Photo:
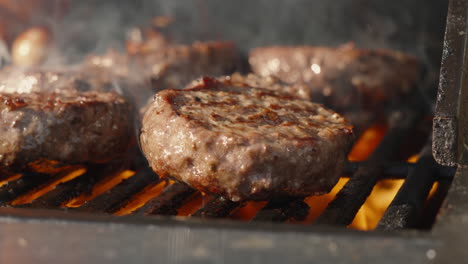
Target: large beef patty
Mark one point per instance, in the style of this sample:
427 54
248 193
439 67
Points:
243 142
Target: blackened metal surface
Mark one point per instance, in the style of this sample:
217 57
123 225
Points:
452 222
406 208
445 138
397 170
434 203
217 208
282 209
110 201
343 208
18 187
391 170
65 192
28 237
452 62
445 130
168 201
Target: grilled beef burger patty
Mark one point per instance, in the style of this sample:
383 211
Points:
244 143
69 127
172 65
76 79
344 78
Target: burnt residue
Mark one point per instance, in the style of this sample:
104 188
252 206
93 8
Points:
444 146
406 209
168 201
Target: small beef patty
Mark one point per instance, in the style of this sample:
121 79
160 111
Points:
27 80
244 143
171 65
80 79
68 127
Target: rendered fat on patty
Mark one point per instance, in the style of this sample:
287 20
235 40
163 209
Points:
244 143
69 127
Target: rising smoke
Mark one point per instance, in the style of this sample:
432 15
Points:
416 26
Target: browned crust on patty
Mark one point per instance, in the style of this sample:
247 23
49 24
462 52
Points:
67 127
243 142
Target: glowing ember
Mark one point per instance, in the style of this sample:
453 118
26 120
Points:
31 196
9 179
51 166
195 202
101 187
142 198
248 211
413 159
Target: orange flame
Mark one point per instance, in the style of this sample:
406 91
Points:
31 196
374 207
142 198
367 143
318 204
413 159
249 210
195 202
9 179
381 196
101 187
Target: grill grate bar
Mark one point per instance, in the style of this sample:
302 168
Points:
282 209
66 191
218 207
391 170
396 170
4 176
342 210
111 200
168 201
24 184
406 208
434 203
